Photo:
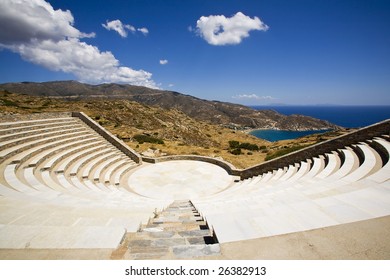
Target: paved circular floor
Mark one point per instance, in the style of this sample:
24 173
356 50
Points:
181 179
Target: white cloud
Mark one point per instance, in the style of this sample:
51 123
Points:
163 61
26 19
130 27
220 30
253 96
83 60
121 28
46 37
143 30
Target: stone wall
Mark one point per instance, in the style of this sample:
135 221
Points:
109 137
230 169
364 134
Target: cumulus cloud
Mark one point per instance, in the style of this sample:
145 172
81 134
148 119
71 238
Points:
24 20
143 30
119 27
47 37
163 61
122 29
219 30
253 96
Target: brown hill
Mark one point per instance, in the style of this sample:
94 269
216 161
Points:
215 112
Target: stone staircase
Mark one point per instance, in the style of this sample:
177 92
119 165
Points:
178 232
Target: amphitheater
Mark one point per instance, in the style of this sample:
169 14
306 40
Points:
70 189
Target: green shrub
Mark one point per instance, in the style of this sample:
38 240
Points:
141 138
236 151
285 151
249 146
246 146
7 102
234 144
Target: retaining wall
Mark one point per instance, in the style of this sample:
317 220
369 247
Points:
230 169
108 136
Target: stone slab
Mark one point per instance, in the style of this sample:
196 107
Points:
51 237
193 251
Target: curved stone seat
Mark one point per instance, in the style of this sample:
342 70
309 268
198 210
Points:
383 174
317 166
291 171
372 163
15 133
13 140
85 157
285 211
109 170
351 163
303 169
109 173
71 164
18 148
97 172
96 162
51 158
9 126
17 184
120 173
333 165
34 155
266 177
33 181
278 173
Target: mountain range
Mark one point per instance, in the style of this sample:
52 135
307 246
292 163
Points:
215 112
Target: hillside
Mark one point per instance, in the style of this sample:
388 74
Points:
214 112
174 132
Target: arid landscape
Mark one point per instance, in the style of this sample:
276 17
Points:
168 131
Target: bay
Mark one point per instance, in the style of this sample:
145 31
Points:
276 135
345 116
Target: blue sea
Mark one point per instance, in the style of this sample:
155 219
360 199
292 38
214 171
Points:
345 116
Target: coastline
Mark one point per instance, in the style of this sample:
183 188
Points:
274 135
249 131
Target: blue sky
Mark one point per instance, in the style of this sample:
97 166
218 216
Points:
241 51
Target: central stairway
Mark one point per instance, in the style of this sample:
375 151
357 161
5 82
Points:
176 232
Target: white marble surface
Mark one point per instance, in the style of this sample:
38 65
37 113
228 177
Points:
181 179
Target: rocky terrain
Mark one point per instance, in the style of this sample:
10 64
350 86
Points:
214 112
